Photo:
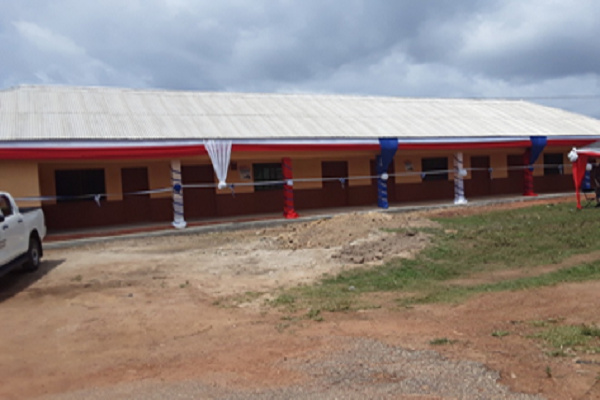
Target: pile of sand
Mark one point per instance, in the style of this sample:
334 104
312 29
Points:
359 237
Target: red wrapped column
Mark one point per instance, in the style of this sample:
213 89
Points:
528 175
288 191
579 167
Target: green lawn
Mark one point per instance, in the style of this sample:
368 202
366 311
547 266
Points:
461 248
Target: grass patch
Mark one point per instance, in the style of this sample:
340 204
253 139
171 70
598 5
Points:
325 298
236 300
545 322
441 341
451 294
314 314
591 331
515 238
410 231
285 300
565 340
184 285
463 246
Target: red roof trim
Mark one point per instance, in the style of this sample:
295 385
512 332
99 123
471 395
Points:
81 153
305 147
463 145
139 152
111 153
572 142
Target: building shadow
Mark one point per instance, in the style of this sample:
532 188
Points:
17 281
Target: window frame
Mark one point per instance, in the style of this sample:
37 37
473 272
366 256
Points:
551 167
428 164
270 172
79 184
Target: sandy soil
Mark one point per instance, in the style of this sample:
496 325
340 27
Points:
144 312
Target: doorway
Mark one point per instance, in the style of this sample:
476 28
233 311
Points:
136 207
335 192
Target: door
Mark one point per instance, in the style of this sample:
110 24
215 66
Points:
335 191
480 184
136 207
198 202
515 173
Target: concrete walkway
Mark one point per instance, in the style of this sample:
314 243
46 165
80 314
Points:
95 235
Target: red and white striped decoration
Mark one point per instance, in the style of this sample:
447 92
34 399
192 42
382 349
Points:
288 191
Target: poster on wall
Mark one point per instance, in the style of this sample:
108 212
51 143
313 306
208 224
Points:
245 173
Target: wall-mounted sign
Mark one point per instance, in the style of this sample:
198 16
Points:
245 172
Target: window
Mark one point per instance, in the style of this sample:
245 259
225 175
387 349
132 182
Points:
5 206
267 172
71 184
432 165
553 164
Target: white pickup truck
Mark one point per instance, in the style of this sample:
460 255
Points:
21 235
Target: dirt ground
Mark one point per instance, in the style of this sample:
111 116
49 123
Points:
128 318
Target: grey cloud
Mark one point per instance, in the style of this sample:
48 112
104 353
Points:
535 40
439 48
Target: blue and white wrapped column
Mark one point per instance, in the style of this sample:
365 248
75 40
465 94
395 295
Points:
459 174
176 184
388 146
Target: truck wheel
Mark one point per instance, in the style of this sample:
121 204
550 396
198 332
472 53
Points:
33 255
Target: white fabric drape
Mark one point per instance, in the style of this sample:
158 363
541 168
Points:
219 152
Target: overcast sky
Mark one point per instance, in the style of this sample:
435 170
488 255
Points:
405 48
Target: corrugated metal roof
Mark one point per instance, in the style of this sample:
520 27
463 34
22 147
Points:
51 113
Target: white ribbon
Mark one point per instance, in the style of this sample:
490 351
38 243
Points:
573 156
219 152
